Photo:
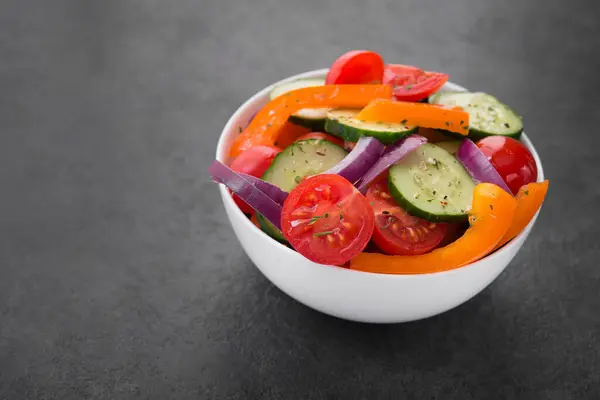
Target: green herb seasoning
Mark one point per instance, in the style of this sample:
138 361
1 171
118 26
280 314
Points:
324 233
314 219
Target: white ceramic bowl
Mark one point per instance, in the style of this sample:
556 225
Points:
355 295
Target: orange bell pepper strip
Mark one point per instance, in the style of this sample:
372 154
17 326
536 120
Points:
452 119
265 126
288 134
490 217
529 201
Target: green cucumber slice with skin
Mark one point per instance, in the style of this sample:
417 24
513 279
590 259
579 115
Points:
432 98
342 123
298 160
432 184
311 118
270 229
293 85
488 116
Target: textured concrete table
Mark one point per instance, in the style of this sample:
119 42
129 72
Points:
119 274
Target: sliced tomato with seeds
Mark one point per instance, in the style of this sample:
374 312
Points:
412 83
327 220
396 232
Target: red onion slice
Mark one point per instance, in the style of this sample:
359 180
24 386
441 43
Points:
366 153
269 189
477 164
248 192
391 155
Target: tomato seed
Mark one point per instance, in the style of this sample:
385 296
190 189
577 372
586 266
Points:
413 235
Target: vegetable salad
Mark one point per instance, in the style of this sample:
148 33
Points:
378 155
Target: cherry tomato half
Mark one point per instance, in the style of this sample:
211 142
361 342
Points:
322 136
255 162
412 83
512 160
356 67
396 232
327 220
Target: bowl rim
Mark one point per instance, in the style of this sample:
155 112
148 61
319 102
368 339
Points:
321 73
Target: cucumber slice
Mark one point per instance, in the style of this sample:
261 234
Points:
432 98
342 123
298 160
430 183
488 116
451 146
297 84
311 118
270 229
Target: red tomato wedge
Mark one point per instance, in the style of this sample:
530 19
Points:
356 67
396 232
322 136
327 220
412 83
255 162
513 161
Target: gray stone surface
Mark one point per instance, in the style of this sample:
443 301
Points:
119 274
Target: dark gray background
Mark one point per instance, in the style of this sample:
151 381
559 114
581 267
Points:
120 276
